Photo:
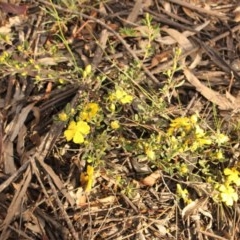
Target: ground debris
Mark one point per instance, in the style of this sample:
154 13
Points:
124 71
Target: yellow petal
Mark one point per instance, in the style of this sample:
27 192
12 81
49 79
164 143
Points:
72 126
71 130
83 127
194 118
89 111
227 171
93 108
69 134
78 138
84 116
115 124
119 94
126 99
150 154
87 178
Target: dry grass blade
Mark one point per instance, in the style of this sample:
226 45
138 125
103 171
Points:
132 17
64 232
221 63
57 181
13 176
14 208
100 49
61 207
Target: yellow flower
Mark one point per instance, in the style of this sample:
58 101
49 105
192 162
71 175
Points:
199 132
220 138
183 168
76 131
89 112
63 116
150 153
219 155
87 71
232 176
3 58
182 123
183 193
121 96
228 194
194 118
199 143
115 124
204 141
86 179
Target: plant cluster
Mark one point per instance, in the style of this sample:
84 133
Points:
169 150
182 148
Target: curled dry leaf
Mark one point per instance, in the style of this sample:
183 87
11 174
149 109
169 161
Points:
227 102
167 6
107 200
161 229
20 140
237 14
7 157
160 58
132 17
151 179
6 29
236 64
178 37
208 215
14 128
13 9
193 208
80 197
49 61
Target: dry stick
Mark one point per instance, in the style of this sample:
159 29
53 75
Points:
20 233
211 235
190 105
175 16
163 19
47 144
60 205
198 9
36 172
16 201
100 48
147 72
13 177
184 55
1 137
217 59
53 222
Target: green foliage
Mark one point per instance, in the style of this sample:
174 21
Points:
128 32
